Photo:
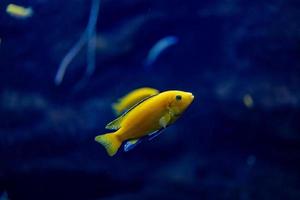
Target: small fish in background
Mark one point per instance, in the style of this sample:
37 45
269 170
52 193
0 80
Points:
145 120
132 98
158 48
248 101
19 11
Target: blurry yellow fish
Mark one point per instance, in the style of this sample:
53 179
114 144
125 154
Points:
19 11
145 120
132 98
248 101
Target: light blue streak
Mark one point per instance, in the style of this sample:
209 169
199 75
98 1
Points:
158 48
91 34
68 59
88 37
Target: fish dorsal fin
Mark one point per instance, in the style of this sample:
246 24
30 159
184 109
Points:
116 124
130 144
138 103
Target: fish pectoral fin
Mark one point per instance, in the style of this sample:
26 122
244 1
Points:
165 120
153 135
115 125
130 144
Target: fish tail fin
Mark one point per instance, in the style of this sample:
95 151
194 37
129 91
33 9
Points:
110 141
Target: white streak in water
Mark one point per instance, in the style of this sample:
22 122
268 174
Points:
91 34
158 48
88 37
68 59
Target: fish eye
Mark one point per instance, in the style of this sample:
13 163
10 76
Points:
178 97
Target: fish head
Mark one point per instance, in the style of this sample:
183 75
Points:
179 101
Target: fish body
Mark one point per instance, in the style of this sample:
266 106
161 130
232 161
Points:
150 115
19 11
132 98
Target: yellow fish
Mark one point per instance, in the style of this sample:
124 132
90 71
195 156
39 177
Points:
132 98
248 100
19 11
145 120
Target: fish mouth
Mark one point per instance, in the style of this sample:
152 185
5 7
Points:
192 96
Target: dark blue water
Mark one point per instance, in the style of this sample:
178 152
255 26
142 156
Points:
227 51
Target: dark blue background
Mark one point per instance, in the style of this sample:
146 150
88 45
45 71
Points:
219 149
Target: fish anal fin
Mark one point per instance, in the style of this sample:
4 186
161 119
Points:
130 144
153 135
